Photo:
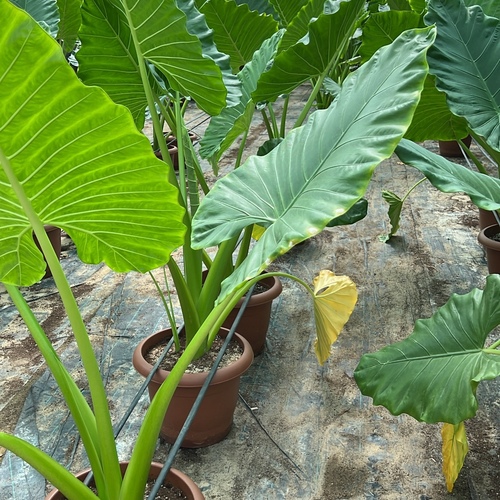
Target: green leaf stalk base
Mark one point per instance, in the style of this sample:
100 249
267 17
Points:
174 477
214 418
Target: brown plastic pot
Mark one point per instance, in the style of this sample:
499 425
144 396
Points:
451 149
173 150
214 418
486 218
492 247
54 234
174 477
254 322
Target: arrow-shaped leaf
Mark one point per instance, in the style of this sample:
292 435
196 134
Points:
321 169
108 57
326 43
450 177
81 162
465 60
434 373
233 121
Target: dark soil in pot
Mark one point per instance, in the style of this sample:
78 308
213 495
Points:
177 486
489 237
214 418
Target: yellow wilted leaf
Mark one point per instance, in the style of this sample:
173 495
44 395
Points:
257 231
335 298
455 448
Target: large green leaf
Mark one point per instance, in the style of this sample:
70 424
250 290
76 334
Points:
287 9
262 6
197 26
466 62
382 28
433 119
238 31
490 7
233 121
80 160
71 20
434 373
484 191
321 169
299 26
327 41
44 12
108 57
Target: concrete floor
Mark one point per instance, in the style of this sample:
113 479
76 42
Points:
311 434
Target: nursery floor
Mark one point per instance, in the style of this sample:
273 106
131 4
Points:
310 434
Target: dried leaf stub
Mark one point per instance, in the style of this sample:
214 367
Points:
334 301
455 448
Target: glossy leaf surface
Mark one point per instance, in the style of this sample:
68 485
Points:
238 31
334 301
316 174
327 40
450 177
233 121
466 62
109 59
69 25
439 366
81 162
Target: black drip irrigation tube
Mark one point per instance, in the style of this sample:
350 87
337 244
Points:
196 405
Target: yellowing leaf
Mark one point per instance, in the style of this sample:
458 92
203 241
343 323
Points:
455 448
258 231
335 298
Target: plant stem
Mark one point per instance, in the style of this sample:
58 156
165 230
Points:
283 116
267 123
241 149
109 457
274 123
168 308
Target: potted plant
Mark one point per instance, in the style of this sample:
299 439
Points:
290 216
461 90
433 375
368 101
81 148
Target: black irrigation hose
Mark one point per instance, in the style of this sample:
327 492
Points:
175 447
194 409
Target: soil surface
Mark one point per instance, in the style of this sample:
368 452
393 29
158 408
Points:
301 431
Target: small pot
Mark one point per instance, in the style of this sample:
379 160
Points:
54 234
254 322
214 418
174 477
452 149
492 247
